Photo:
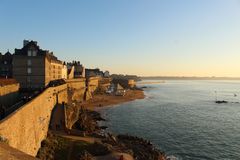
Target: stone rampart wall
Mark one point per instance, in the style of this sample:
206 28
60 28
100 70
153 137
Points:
76 88
28 126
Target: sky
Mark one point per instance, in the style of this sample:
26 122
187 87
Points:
143 37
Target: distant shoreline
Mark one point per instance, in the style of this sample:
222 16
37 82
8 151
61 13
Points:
189 78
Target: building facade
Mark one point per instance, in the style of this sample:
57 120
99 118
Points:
34 68
64 71
93 73
6 65
79 69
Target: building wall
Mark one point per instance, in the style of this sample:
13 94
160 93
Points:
47 68
5 70
9 94
28 126
56 70
64 72
79 71
124 82
36 65
71 72
6 65
131 83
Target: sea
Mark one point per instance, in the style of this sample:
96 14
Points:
181 118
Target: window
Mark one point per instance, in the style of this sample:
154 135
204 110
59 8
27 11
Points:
29 52
34 53
29 70
29 62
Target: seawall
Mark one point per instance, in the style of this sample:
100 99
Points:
26 127
76 89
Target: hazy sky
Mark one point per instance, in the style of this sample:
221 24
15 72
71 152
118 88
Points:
144 37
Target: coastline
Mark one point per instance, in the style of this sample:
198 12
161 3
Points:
95 142
142 149
106 100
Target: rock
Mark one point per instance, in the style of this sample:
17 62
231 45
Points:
219 102
142 149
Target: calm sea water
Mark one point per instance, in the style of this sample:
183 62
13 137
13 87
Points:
181 119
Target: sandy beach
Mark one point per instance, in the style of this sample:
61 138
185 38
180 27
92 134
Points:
103 100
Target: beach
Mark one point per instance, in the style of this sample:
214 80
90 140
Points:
103 100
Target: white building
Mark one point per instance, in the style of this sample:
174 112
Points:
64 71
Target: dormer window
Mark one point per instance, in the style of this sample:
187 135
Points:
32 52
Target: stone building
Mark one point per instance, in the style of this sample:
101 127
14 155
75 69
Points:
79 69
70 72
106 74
34 68
6 65
93 73
64 71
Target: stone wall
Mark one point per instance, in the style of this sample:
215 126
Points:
76 88
92 85
28 126
9 94
71 113
104 84
9 153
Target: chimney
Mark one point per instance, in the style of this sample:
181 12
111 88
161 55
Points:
25 42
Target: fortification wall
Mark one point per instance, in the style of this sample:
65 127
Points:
92 84
28 126
77 88
104 84
9 153
9 94
71 113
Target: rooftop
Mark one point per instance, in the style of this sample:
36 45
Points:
40 52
